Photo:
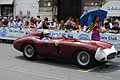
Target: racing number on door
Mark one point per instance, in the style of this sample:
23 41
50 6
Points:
56 43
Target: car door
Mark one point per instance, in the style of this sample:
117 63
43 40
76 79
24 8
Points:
55 48
62 49
66 49
47 48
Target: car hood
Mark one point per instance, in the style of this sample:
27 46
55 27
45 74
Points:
99 44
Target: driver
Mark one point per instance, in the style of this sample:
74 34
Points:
46 34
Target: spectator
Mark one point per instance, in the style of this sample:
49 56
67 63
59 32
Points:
95 28
38 17
70 23
62 25
33 20
53 24
32 26
26 24
25 19
115 28
21 23
5 21
39 24
57 22
11 23
108 24
16 22
85 28
45 23
77 26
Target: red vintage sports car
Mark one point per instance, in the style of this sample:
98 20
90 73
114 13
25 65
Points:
85 53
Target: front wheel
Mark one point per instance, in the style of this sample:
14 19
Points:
29 52
84 59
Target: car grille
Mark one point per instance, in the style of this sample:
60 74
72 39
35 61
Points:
111 56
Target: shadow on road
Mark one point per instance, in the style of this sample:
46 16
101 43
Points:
53 62
106 68
111 66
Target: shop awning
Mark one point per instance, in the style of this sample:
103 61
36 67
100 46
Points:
6 2
113 8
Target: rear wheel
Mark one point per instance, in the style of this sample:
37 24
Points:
84 59
29 52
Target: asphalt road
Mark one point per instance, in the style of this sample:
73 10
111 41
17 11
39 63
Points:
13 66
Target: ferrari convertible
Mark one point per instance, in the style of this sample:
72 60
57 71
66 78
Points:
86 53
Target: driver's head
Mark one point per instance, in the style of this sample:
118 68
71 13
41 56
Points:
46 33
70 36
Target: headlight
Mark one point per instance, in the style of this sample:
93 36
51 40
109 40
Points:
99 54
100 50
113 47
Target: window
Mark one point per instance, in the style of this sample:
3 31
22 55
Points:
45 3
7 10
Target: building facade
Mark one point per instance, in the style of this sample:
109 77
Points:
113 9
61 9
90 4
27 8
43 8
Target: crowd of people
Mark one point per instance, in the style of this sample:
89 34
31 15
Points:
38 23
70 24
112 26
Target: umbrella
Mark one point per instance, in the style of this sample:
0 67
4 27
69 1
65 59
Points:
87 18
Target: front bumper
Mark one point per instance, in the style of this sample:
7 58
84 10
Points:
105 54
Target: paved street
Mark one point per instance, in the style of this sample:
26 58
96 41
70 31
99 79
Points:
13 66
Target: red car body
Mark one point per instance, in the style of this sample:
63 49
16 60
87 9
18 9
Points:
64 48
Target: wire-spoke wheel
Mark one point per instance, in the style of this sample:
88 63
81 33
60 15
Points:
29 52
84 59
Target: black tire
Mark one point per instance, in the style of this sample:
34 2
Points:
85 60
29 52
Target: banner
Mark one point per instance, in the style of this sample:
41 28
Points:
10 33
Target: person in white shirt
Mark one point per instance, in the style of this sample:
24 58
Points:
53 24
39 24
85 28
11 23
111 25
46 34
21 23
